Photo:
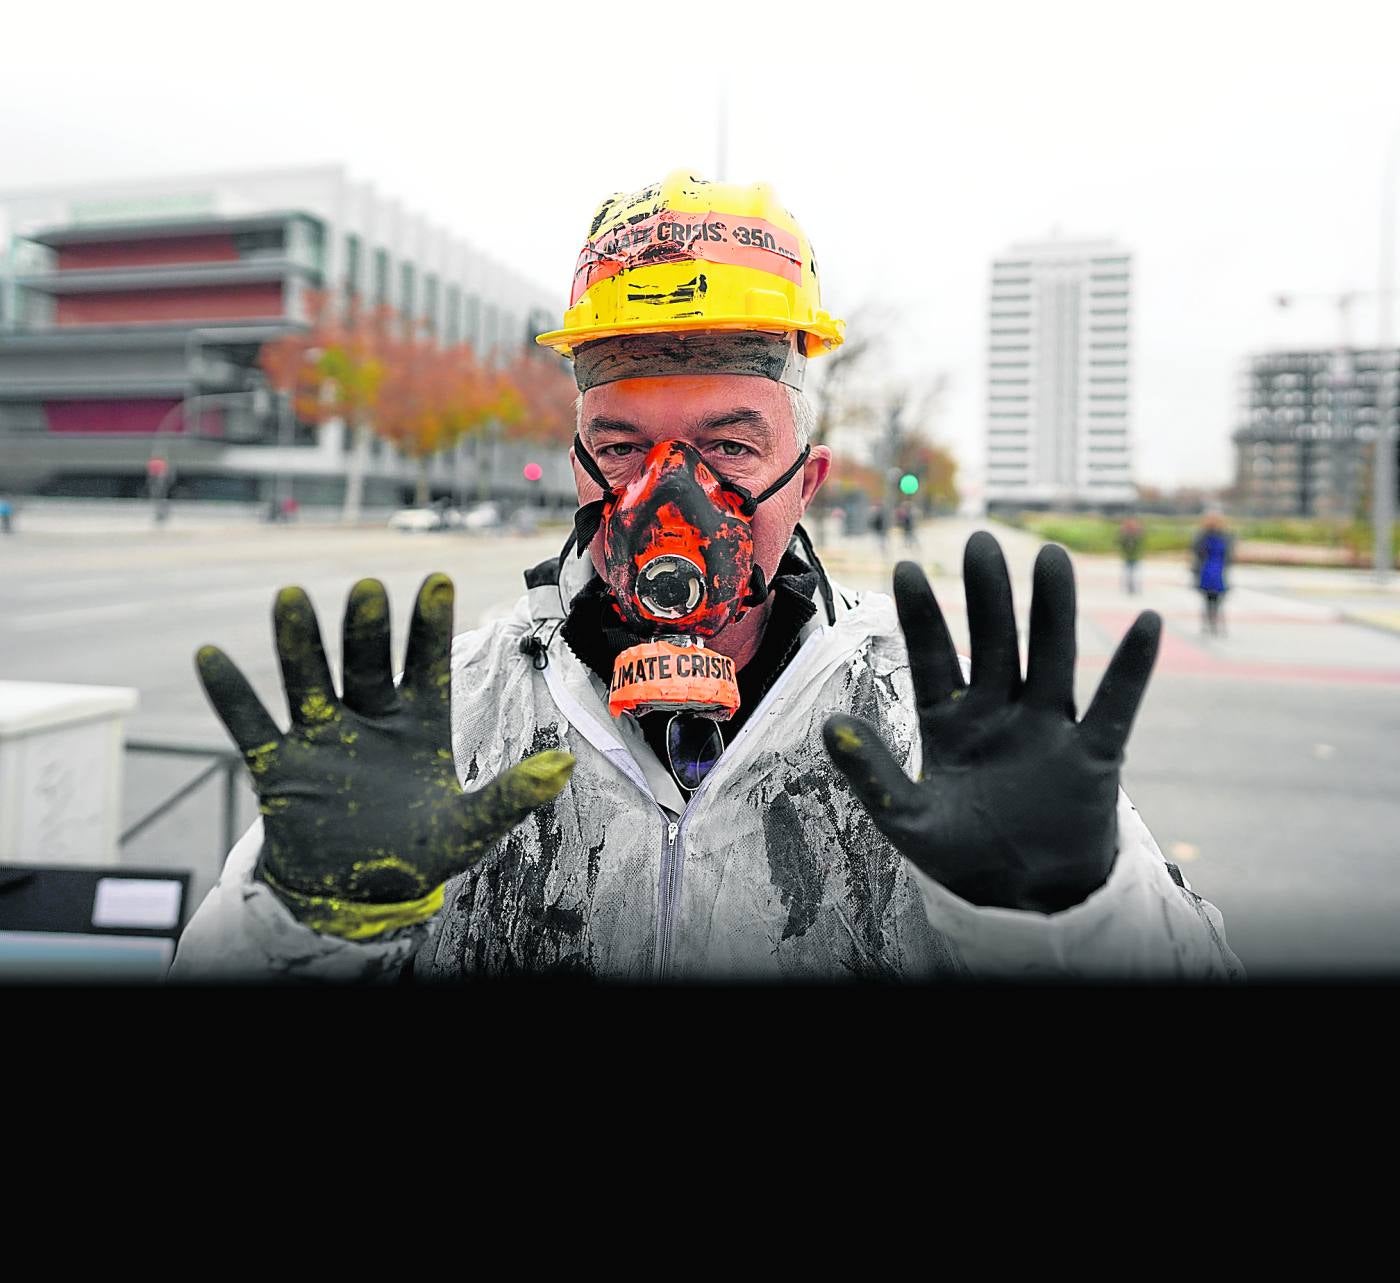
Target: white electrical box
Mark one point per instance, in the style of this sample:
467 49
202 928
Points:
61 772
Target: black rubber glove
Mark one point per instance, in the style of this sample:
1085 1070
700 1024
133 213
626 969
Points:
359 798
1016 806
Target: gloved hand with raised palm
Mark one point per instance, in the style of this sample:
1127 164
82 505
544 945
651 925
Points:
1016 804
363 816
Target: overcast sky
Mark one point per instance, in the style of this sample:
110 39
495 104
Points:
1236 147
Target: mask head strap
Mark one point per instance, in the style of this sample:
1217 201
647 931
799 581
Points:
590 465
750 503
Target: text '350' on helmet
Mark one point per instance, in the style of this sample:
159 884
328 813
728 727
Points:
685 254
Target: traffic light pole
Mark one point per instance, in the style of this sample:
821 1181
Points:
1383 465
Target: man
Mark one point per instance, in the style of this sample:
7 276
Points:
1210 556
1130 537
688 754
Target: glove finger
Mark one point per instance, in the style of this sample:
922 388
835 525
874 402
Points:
933 660
368 675
427 669
991 618
1110 717
1050 662
305 673
874 776
492 811
234 701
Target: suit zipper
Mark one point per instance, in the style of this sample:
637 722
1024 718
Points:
668 890
672 862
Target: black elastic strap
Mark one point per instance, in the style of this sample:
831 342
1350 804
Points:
786 477
823 583
590 465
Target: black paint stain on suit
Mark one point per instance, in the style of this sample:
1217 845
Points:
595 855
871 863
792 864
514 927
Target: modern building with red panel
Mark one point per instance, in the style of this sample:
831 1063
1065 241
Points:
131 316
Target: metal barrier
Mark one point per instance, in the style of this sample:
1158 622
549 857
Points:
227 760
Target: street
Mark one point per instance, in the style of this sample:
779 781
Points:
1265 762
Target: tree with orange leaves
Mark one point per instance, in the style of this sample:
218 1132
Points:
289 362
334 370
936 469
548 397
432 397
849 475
362 367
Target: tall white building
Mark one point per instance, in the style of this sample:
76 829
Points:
1058 370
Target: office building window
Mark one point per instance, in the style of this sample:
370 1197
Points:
381 277
430 303
352 267
454 315
489 335
406 284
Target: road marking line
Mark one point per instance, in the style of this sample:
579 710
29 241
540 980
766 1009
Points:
61 588
67 618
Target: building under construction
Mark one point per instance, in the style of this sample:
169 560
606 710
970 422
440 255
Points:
1310 423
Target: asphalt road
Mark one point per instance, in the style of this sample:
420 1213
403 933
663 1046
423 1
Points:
1267 762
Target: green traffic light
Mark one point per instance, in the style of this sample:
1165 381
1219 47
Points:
908 483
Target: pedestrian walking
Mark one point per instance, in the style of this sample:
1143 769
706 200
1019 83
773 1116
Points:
1211 553
904 515
877 526
1130 534
6 515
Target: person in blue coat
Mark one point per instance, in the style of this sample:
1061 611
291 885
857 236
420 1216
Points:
1211 551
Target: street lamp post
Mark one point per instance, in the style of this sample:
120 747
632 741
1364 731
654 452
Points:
1383 465
163 474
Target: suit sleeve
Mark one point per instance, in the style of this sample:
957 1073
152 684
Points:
243 933
1142 924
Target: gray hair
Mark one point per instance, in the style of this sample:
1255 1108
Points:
804 418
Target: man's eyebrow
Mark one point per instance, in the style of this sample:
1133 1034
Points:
732 418
605 423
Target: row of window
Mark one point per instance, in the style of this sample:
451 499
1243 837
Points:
465 319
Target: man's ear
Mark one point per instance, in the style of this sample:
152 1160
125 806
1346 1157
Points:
814 473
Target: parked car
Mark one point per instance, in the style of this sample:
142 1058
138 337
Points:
482 516
417 520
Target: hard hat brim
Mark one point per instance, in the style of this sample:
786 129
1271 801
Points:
827 337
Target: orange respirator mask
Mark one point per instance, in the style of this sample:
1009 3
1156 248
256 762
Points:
677 553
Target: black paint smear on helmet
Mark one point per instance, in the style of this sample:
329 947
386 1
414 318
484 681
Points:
687 292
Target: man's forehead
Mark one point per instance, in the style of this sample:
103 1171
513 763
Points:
688 401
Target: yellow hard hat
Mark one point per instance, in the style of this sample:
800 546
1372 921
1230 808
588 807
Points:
684 255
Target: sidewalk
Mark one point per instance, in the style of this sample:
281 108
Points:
1282 623
1353 595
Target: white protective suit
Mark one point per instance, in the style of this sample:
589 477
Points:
772 870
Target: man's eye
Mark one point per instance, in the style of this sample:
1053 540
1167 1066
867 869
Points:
619 451
731 449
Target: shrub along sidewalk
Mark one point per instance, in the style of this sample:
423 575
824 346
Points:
1267 541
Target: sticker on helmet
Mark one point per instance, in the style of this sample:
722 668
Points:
671 236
